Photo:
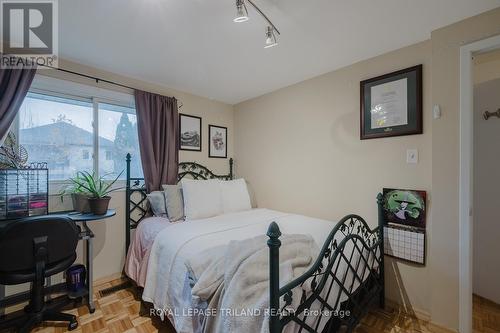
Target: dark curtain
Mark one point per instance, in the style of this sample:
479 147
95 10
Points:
14 85
158 126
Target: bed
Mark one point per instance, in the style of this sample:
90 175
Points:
339 283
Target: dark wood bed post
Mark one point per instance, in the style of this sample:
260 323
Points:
127 205
274 244
381 223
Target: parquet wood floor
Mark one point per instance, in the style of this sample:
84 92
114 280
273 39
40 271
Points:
122 312
486 315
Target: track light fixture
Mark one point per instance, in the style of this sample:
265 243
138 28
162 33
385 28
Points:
270 38
241 12
242 16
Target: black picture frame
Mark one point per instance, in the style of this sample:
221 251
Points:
413 101
183 136
214 154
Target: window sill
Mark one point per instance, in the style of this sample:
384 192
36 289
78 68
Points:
56 186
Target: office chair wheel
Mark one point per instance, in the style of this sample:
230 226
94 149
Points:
72 325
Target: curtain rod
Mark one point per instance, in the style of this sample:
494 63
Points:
97 79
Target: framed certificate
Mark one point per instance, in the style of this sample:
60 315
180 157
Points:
391 104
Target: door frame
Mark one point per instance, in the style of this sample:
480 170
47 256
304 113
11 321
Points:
465 183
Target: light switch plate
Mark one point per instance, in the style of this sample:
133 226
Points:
412 156
436 111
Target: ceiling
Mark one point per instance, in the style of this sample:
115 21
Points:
194 46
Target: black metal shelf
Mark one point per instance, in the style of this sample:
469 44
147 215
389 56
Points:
23 192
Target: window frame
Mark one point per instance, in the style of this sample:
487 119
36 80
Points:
51 86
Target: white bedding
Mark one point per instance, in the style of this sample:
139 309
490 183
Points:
165 285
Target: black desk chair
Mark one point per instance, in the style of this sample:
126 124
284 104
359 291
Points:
32 249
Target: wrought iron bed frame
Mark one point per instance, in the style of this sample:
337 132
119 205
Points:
366 243
136 185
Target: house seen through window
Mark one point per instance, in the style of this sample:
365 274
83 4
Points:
59 131
86 155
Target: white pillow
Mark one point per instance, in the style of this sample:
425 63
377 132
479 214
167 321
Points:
235 197
202 198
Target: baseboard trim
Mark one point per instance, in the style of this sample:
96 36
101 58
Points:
422 316
435 328
410 311
108 278
487 300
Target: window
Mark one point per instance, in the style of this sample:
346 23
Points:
117 137
60 131
54 130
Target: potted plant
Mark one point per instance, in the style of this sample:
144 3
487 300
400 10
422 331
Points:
98 190
80 202
79 195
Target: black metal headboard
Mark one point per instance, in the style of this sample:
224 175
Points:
136 204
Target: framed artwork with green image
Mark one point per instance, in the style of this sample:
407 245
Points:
405 207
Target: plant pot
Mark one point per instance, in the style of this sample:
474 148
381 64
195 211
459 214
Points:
80 202
99 206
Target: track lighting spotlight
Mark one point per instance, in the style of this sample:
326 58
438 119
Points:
270 38
241 12
242 16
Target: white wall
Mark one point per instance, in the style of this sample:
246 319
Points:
292 164
299 148
486 224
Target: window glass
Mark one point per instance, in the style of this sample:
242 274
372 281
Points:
117 137
86 155
57 131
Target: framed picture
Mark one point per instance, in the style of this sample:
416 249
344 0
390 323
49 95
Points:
217 141
405 207
190 132
391 104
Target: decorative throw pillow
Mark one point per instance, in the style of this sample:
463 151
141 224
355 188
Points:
174 202
157 201
235 197
202 198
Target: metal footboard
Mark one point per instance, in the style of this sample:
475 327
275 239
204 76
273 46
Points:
346 278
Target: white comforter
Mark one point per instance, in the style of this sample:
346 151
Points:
237 278
166 276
